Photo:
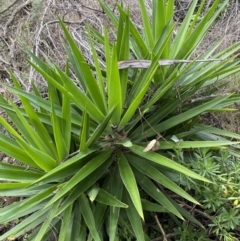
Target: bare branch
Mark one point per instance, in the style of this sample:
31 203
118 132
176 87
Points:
4 61
161 228
4 10
207 97
144 64
19 8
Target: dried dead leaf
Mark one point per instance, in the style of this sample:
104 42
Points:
150 145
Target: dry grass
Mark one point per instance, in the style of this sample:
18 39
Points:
33 24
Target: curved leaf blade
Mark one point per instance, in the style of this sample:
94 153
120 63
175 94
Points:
106 198
89 217
164 161
81 175
153 173
130 183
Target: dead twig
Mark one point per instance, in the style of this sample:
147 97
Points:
19 8
53 22
144 64
196 210
70 155
161 228
8 7
207 97
4 61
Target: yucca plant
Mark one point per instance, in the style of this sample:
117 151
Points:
94 157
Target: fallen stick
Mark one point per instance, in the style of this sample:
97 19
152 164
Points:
144 64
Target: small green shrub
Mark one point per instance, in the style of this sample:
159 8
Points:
93 159
220 210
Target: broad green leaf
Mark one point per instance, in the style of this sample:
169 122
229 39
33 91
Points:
81 175
193 144
99 212
137 100
93 192
164 161
36 142
72 91
217 131
23 207
163 39
21 189
152 120
153 173
181 33
116 188
84 134
108 58
24 176
173 121
18 167
134 218
9 128
35 121
125 143
148 34
153 207
58 137
119 37
98 73
47 163
66 221
155 193
57 82
88 217
201 30
77 222
40 196
138 44
158 17
13 116
100 129
66 122
129 182
185 213
39 102
195 17
44 161
87 77
115 89
12 149
66 168
74 65
123 40
158 94
47 222
84 185
27 224
109 12
14 211
36 229
38 94
109 200
80 98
